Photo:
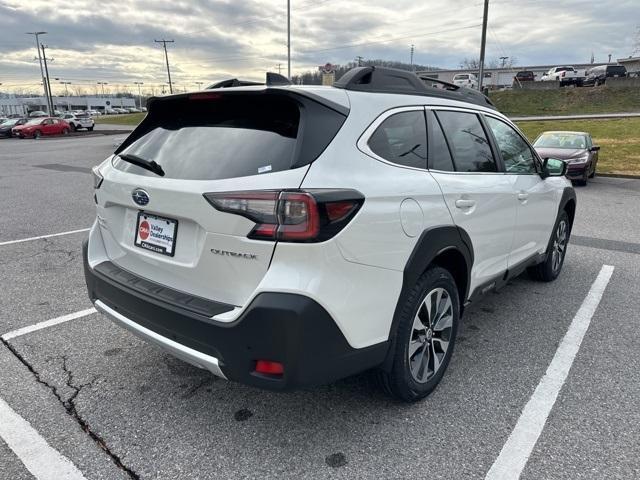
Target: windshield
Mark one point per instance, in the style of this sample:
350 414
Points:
561 140
462 77
35 121
10 123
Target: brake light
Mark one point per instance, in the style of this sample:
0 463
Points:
564 73
291 215
205 96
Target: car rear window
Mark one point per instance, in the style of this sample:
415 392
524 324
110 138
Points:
616 70
213 136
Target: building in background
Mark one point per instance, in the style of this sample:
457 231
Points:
24 105
632 64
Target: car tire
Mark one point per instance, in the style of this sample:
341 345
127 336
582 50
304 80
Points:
423 342
549 270
583 181
73 127
37 134
593 174
65 131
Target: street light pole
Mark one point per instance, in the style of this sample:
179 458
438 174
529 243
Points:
139 92
103 84
199 85
46 92
483 43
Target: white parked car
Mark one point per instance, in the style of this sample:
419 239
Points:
335 230
565 75
78 121
468 80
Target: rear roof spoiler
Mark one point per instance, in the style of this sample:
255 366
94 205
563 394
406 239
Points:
271 80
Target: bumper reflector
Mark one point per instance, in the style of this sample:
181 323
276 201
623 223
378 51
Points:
267 367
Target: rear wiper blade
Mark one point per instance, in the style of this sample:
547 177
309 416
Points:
150 165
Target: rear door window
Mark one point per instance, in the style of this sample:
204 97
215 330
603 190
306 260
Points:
402 139
439 154
468 141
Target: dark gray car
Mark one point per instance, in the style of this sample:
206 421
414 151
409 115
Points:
575 148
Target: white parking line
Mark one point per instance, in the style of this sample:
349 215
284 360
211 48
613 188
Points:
42 460
516 451
11 242
47 323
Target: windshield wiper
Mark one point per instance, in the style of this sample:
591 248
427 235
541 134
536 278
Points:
150 165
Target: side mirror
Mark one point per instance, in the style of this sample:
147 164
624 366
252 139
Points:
552 167
595 148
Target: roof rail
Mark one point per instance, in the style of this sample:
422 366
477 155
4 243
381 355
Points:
392 80
272 79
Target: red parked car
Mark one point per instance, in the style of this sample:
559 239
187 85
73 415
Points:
37 127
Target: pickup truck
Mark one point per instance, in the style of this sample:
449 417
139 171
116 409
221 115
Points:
565 75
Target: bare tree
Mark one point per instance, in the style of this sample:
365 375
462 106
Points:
474 63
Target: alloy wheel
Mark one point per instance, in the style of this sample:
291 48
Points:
559 246
430 335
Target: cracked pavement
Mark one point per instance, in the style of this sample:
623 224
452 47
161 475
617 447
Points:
120 409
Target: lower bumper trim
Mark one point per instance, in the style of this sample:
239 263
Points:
189 355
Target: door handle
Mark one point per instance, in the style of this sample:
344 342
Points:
522 196
465 203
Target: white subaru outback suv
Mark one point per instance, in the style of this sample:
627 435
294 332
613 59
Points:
285 236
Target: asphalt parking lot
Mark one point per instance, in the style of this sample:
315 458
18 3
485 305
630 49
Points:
117 408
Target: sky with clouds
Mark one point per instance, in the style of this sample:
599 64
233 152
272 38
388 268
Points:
113 40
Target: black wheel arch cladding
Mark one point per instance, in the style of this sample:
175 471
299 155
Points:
446 242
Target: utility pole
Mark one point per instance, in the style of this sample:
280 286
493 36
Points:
199 85
289 39
359 60
103 84
279 67
166 57
504 60
412 48
46 72
483 43
139 92
46 92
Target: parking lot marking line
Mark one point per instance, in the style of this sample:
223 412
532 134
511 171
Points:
47 323
41 459
11 242
516 451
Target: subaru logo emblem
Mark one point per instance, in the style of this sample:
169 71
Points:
140 197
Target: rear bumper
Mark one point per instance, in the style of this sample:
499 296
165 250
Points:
288 328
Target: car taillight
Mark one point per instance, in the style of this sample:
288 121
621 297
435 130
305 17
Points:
564 73
291 215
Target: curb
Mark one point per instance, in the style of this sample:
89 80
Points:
618 175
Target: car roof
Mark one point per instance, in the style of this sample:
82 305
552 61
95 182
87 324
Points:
566 131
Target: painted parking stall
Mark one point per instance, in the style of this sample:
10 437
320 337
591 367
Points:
159 417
